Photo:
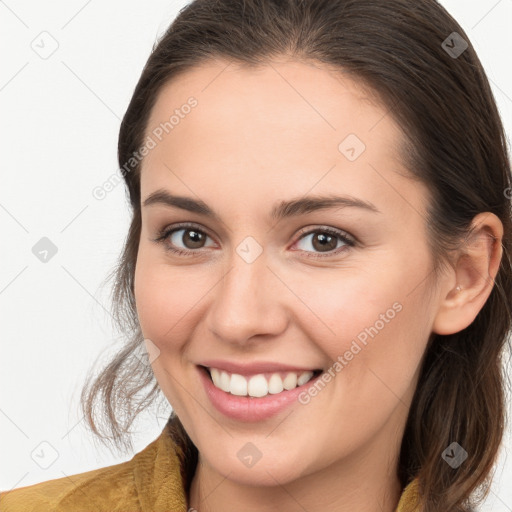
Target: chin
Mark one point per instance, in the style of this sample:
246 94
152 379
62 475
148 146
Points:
277 467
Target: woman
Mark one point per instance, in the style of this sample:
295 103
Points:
318 266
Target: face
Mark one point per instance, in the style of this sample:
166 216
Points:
336 288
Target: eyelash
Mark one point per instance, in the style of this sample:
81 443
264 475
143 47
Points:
341 235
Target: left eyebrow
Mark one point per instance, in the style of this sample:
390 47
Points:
283 209
308 204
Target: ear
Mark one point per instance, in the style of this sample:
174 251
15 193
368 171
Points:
477 263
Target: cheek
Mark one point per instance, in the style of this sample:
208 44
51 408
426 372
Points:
377 347
351 306
165 301
373 326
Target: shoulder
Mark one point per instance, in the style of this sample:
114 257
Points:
409 500
95 490
151 480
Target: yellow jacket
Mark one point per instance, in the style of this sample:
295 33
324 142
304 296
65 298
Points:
150 482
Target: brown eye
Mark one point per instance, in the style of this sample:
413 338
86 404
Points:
191 238
184 240
325 241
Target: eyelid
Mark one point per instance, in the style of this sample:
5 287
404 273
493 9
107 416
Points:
168 229
328 229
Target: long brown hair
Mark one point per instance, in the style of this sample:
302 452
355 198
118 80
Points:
400 51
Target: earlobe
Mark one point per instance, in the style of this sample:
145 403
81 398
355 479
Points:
476 267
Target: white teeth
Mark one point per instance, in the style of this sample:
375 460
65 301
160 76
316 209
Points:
290 381
215 377
304 377
275 384
257 385
224 383
238 385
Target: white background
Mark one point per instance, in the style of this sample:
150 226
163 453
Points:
60 121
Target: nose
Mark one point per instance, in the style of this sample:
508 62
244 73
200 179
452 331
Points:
248 303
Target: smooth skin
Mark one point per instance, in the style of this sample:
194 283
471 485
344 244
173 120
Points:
258 137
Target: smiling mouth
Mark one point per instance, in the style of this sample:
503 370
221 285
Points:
261 384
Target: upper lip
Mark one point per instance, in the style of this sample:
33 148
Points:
254 367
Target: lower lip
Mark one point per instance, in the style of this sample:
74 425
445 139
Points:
248 408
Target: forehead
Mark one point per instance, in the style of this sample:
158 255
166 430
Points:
291 90
283 126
